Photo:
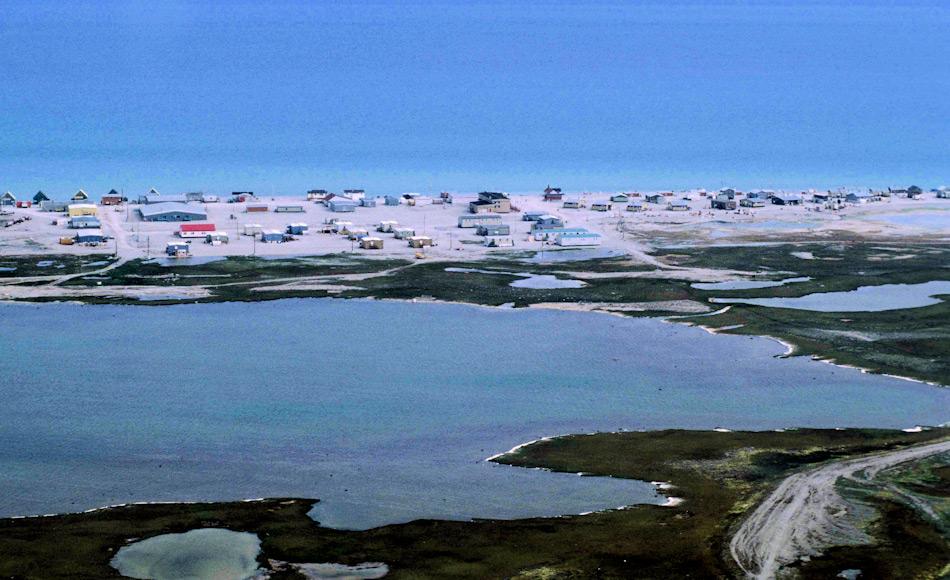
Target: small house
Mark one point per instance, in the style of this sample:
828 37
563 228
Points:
403 233
552 234
90 236
316 194
177 249
111 198
368 202
493 230
861 197
54 206
354 194
943 193
578 239
40 197
572 204
787 199
499 242
84 222
298 229
491 202
727 193
547 222
764 195
357 233
252 229
341 204
677 205
620 198
552 193
272 236
420 241
386 226
172 212
371 243
473 221
8 199
721 202
217 238
635 206
256 208
654 198
391 200
752 202
600 206
195 230
78 209
80 196
531 216
208 198
289 209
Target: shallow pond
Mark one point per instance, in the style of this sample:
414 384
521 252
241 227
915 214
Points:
384 410
747 284
936 220
864 299
205 554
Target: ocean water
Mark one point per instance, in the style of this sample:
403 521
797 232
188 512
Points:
383 410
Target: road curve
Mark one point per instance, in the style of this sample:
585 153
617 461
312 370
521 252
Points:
805 513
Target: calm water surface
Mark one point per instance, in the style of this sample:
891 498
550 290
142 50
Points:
384 410
863 299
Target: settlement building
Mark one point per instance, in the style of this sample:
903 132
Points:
298 229
40 197
371 243
499 242
256 208
177 249
752 202
289 209
8 199
473 221
386 226
420 241
600 206
80 196
678 205
111 198
90 236
578 239
787 199
552 193
195 230
403 233
635 205
722 202
493 230
272 236
172 212
572 204
84 222
78 209
341 204
490 201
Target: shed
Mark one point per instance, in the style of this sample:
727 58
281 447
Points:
288 209
600 206
578 239
391 200
475 220
368 202
78 209
635 206
256 208
272 236
420 241
493 230
298 229
371 243
341 204
90 236
195 230
172 212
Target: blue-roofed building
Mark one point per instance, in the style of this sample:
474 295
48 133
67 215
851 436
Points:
172 212
551 234
578 239
298 229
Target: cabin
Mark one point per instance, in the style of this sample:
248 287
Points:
547 222
531 216
727 193
80 196
111 198
40 197
368 202
677 205
195 230
552 193
490 202
600 206
252 229
403 233
172 212
217 238
79 209
90 236
391 200
84 222
473 221
316 194
298 229
499 242
54 206
572 204
787 199
341 205
635 206
177 250
654 198
289 209
578 239
256 208
493 230
386 226
720 202
620 198
8 199
272 236
371 243
420 241
751 202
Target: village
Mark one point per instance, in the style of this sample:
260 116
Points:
411 224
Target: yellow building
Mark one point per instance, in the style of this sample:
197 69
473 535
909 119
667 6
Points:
81 209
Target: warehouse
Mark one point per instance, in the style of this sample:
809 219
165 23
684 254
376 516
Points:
91 236
153 197
578 239
475 220
195 230
172 212
84 222
79 209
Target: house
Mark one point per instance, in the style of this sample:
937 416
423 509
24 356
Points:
752 202
289 209
316 194
194 196
241 196
177 249
217 238
386 226
600 206
861 197
371 243
356 234
368 202
207 198
722 202
473 221
84 222
420 241
493 230
499 242
195 230
787 199
54 206
8 199
490 201
552 234
78 209
572 204
762 194
677 205
172 212
635 206
391 200
256 208
354 194
728 193
943 193
547 222
298 229
80 196
90 236
40 197
272 236
578 239
341 204
552 193
654 198
153 198
620 198
403 233
531 216
338 226
111 198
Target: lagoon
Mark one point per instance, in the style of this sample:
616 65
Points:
383 410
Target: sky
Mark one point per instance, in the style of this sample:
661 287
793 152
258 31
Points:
461 96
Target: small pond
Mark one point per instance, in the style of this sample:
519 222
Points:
864 299
205 554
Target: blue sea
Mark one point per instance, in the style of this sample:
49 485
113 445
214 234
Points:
281 97
386 411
